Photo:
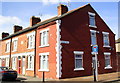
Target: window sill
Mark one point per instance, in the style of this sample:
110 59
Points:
14 68
14 50
44 46
47 70
77 69
30 48
30 69
7 51
108 67
106 46
93 26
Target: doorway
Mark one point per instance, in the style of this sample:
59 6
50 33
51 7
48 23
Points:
19 64
23 65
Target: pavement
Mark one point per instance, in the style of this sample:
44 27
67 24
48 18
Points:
107 78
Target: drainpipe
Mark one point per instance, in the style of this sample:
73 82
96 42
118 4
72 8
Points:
10 65
35 54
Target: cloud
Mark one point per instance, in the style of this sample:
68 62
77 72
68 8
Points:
9 19
7 23
46 2
46 16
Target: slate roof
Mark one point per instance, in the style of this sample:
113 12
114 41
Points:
42 23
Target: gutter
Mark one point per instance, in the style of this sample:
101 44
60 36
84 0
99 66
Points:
10 65
35 53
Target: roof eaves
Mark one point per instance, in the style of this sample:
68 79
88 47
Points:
31 28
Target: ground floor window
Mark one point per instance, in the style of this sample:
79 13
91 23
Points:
30 62
78 60
0 62
7 62
107 60
44 61
14 62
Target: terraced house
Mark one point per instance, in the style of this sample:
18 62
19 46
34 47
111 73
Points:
61 46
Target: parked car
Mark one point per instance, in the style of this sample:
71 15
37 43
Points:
8 73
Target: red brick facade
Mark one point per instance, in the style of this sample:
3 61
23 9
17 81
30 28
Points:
66 34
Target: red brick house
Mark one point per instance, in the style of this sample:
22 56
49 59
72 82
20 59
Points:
17 49
62 45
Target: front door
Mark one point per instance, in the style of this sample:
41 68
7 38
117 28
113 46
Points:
23 65
19 64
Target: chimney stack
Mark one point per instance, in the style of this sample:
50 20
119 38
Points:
4 35
62 9
34 20
17 28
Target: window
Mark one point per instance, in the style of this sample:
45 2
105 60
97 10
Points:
14 45
31 40
106 39
30 62
78 60
107 61
0 62
91 19
7 62
44 38
44 61
14 63
93 37
8 46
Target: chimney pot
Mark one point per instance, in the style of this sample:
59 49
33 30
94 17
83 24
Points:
34 20
4 35
62 9
17 28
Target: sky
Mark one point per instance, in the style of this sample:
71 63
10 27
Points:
19 13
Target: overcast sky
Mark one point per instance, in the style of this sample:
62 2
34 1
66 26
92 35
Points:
12 13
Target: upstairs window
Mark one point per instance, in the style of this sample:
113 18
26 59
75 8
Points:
7 46
106 39
31 40
44 35
92 19
93 37
14 48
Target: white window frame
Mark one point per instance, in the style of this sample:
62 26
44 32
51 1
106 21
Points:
30 63
46 36
7 62
106 33
41 61
15 42
14 61
93 16
7 49
0 61
108 54
93 31
31 40
81 54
